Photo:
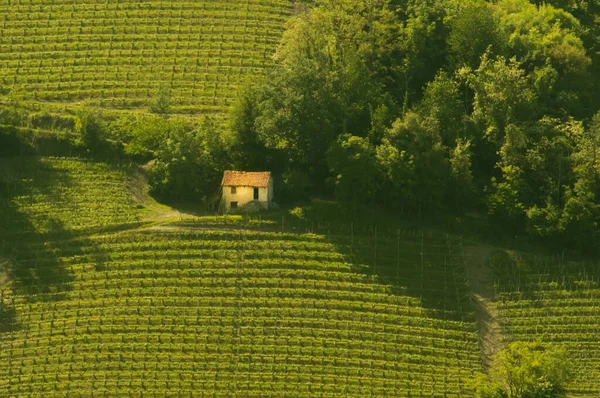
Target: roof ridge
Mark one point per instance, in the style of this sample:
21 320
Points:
246 178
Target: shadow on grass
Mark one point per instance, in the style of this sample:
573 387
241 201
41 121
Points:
32 243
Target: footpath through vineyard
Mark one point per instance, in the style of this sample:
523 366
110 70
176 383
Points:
4 263
481 281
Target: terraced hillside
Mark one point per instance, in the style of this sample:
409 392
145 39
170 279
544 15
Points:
222 307
554 301
117 54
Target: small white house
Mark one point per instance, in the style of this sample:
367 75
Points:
243 187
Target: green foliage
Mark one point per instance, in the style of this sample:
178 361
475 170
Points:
334 63
353 164
247 150
295 186
442 102
161 105
185 162
462 176
143 136
90 129
474 29
188 165
527 370
423 44
549 38
503 95
416 162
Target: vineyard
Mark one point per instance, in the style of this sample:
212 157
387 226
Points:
555 301
218 306
118 54
99 295
42 195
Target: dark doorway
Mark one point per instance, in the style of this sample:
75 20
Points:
255 193
233 205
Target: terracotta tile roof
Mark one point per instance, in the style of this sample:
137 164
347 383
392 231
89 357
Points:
259 179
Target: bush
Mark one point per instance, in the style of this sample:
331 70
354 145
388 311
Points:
527 370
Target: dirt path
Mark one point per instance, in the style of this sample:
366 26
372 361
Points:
481 281
4 264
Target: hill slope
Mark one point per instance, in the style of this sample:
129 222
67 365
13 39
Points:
100 293
219 306
118 54
555 301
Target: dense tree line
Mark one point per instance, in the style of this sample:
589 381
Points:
438 105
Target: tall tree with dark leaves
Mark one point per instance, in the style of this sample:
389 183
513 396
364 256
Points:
355 172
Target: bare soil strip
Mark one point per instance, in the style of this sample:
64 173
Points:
4 264
481 281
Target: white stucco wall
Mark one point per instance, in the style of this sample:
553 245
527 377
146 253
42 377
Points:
244 195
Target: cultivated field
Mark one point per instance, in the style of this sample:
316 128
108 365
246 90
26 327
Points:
118 54
557 302
100 293
53 195
223 306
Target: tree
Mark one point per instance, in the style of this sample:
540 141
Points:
297 118
527 370
398 167
353 164
162 103
90 129
442 102
548 38
581 212
503 96
474 29
424 46
143 135
417 167
188 164
461 175
330 73
247 151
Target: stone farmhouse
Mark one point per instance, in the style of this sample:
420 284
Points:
242 189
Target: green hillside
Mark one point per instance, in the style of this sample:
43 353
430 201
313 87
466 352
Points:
105 291
218 306
118 54
478 117
42 194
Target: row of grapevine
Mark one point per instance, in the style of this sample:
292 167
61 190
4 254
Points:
118 54
201 304
58 195
555 301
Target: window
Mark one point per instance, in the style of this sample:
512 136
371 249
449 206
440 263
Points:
255 193
233 205
233 190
